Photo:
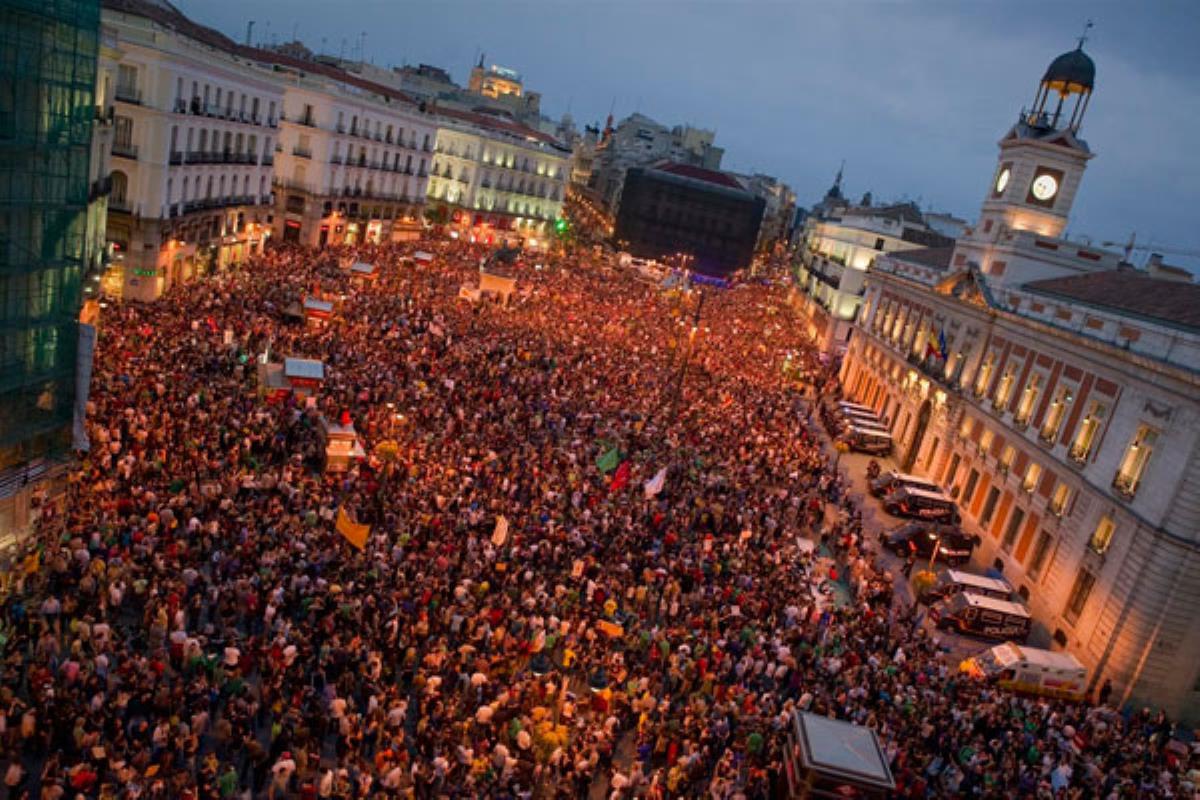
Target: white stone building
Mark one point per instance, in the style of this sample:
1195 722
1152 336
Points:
353 157
1056 393
192 146
835 254
497 178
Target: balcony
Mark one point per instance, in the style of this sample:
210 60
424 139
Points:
301 152
125 150
307 121
1125 486
175 158
268 159
173 210
104 115
272 122
340 127
128 94
336 158
181 106
1078 454
119 204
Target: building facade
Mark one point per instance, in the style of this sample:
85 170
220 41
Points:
496 177
1055 392
836 252
709 219
193 144
353 162
46 266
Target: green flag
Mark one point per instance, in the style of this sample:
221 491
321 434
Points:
609 461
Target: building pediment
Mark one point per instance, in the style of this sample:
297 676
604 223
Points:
968 286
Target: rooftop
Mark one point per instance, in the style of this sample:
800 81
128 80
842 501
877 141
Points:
699 173
1125 291
936 257
498 123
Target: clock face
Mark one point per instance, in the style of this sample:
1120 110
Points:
1002 180
1045 187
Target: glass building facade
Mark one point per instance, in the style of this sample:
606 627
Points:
48 58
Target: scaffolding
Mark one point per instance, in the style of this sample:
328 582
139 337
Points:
48 57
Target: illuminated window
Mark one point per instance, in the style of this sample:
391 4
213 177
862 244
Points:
985 375
1085 439
1078 598
964 430
1062 496
1032 476
1004 390
1055 416
1007 455
1102 536
985 439
1133 465
1029 399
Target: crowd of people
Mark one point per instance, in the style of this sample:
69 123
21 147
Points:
589 570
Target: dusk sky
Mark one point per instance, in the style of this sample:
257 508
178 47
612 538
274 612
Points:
913 96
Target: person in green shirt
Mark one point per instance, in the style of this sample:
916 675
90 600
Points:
227 783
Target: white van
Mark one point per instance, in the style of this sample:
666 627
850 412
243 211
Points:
1030 670
953 581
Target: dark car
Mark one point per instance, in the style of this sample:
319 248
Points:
919 538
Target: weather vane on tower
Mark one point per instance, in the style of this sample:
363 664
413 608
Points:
1083 38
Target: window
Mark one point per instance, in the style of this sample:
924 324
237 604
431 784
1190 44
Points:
1032 475
1079 595
985 374
1133 465
1007 455
1062 496
985 440
1041 549
953 471
1055 416
1086 437
989 506
1013 528
1004 390
1102 536
126 80
1029 399
123 132
969 488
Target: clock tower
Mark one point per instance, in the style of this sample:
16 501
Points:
1042 157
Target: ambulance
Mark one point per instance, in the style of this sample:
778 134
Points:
1029 670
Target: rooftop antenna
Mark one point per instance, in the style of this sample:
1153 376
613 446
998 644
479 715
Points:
249 29
1084 36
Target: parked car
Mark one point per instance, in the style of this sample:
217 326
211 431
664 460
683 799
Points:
919 538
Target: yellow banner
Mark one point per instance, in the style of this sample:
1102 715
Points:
353 532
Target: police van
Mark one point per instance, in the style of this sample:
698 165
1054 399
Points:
954 581
909 501
986 617
867 440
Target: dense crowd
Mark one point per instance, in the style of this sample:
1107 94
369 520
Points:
588 571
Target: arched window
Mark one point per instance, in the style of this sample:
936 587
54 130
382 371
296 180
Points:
120 187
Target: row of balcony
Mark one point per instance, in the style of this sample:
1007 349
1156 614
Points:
365 163
1078 452
212 110
363 133
207 203
217 157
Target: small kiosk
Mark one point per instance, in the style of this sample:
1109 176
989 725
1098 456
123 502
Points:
342 446
363 272
299 376
829 758
317 313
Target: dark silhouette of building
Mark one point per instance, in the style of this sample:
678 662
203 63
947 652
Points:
671 208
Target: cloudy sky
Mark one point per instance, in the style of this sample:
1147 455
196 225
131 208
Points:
913 95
